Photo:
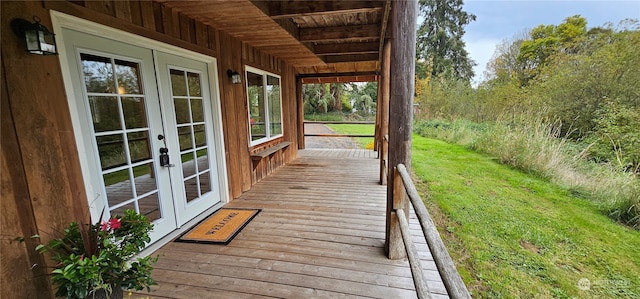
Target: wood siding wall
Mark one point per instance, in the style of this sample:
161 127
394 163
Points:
41 179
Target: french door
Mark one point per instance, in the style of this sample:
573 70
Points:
185 101
147 130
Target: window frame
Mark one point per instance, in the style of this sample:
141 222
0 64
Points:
265 107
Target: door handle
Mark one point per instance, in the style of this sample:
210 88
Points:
164 157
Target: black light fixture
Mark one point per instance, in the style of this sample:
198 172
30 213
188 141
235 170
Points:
39 39
234 76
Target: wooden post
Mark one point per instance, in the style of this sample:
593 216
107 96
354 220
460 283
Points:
402 70
300 113
383 102
376 139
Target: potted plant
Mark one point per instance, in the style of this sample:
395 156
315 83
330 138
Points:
97 260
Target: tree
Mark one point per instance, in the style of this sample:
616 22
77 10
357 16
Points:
504 66
322 98
547 41
439 40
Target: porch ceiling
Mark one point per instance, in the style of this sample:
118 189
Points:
316 37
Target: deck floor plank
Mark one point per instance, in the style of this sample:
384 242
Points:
320 234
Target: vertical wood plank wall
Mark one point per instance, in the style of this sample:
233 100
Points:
42 184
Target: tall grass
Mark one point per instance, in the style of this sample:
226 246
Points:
537 146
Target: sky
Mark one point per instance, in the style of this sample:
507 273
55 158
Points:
498 20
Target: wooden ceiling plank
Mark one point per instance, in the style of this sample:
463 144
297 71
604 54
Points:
350 58
346 48
338 74
356 32
288 9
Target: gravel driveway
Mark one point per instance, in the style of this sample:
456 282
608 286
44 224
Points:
326 142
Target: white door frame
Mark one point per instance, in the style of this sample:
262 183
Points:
61 20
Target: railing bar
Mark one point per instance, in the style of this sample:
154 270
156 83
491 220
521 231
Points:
338 135
450 276
412 254
364 122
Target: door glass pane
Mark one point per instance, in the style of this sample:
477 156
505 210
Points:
194 85
205 183
98 73
188 164
135 115
191 188
144 177
150 207
182 110
178 83
200 135
203 160
273 94
196 110
120 210
139 146
255 96
128 77
111 150
105 113
185 139
118 185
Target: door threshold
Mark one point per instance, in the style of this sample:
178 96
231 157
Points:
174 234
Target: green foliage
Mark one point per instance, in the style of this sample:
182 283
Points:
505 67
439 40
514 235
346 106
335 97
547 41
617 126
332 116
99 256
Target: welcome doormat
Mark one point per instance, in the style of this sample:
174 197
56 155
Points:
221 227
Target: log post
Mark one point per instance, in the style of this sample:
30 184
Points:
402 70
383 102
300 118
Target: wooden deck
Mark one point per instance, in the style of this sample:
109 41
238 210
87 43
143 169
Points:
320 235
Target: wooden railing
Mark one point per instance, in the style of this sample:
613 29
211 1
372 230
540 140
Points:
450 276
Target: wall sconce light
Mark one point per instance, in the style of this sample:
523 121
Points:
38 38
234 76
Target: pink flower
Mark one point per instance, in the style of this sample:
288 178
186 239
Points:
114 223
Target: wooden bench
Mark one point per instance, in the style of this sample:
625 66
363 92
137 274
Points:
259 155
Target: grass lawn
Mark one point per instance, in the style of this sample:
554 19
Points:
356 129
514 235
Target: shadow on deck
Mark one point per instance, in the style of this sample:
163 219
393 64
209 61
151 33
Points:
320 235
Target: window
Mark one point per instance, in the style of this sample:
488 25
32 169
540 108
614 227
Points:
265 105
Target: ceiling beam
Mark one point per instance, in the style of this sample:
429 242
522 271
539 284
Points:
350 58
348 79
288 9
346 48
330 75
340 33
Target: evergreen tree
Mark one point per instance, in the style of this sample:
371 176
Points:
439 40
